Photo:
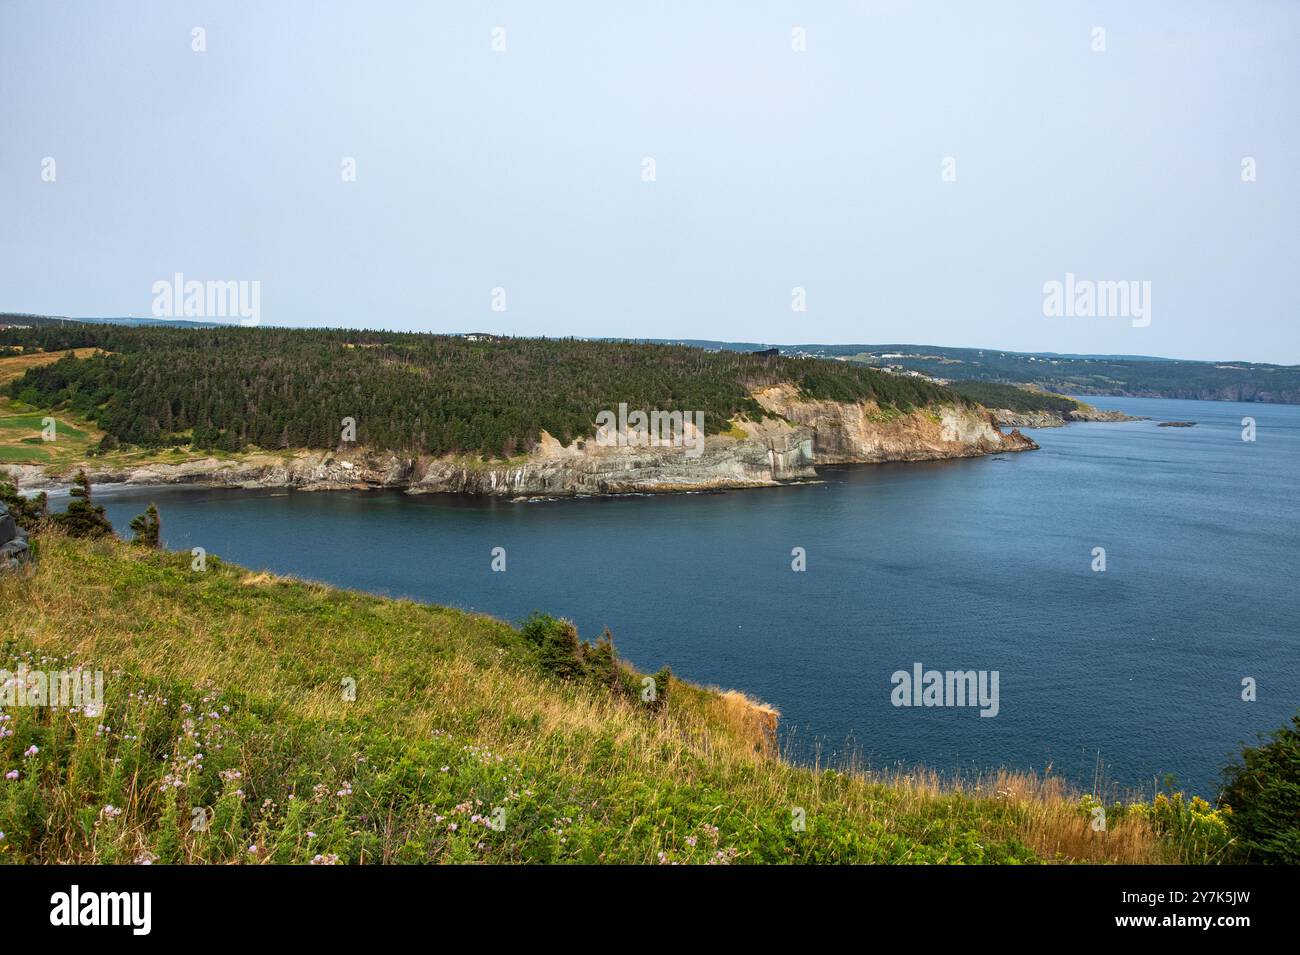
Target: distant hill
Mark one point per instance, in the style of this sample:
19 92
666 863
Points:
1130 375
1144 376
38 321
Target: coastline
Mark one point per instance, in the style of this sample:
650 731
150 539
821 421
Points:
782 449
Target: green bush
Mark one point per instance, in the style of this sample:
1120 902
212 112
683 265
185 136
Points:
560 653
1263 791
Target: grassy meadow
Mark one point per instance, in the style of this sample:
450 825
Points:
227 735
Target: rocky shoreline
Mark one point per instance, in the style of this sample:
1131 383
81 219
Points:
1007 418
782 449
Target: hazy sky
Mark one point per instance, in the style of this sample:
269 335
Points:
775 169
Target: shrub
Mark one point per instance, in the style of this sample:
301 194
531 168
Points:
1264 793
560 653
147 528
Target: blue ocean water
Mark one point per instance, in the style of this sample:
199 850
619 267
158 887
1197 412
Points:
982 564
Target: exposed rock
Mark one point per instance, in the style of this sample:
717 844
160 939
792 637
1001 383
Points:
1089 413
863 432
1056 419
771 452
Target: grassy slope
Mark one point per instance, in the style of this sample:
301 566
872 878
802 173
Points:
453 718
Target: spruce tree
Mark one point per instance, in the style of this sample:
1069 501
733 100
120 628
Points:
82 517
147 528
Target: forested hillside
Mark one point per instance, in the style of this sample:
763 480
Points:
992 394
229 388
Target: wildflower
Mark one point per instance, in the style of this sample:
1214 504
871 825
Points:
31 751
110 811
12 774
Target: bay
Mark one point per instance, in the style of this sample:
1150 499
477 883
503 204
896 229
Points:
981 564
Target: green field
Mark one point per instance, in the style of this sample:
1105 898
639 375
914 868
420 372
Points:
16 454
21 440
34 423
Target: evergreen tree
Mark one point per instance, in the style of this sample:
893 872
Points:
147 528
82 517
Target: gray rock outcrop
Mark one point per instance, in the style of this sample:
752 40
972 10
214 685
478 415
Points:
13 541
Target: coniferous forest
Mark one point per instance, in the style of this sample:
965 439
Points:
277 388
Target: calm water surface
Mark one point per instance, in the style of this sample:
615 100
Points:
982 564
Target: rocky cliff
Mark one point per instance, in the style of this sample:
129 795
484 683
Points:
779 449
863 432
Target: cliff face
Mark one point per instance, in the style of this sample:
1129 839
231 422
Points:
769 452
863 432
755 454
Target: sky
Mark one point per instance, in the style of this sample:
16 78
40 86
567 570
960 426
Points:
919 170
